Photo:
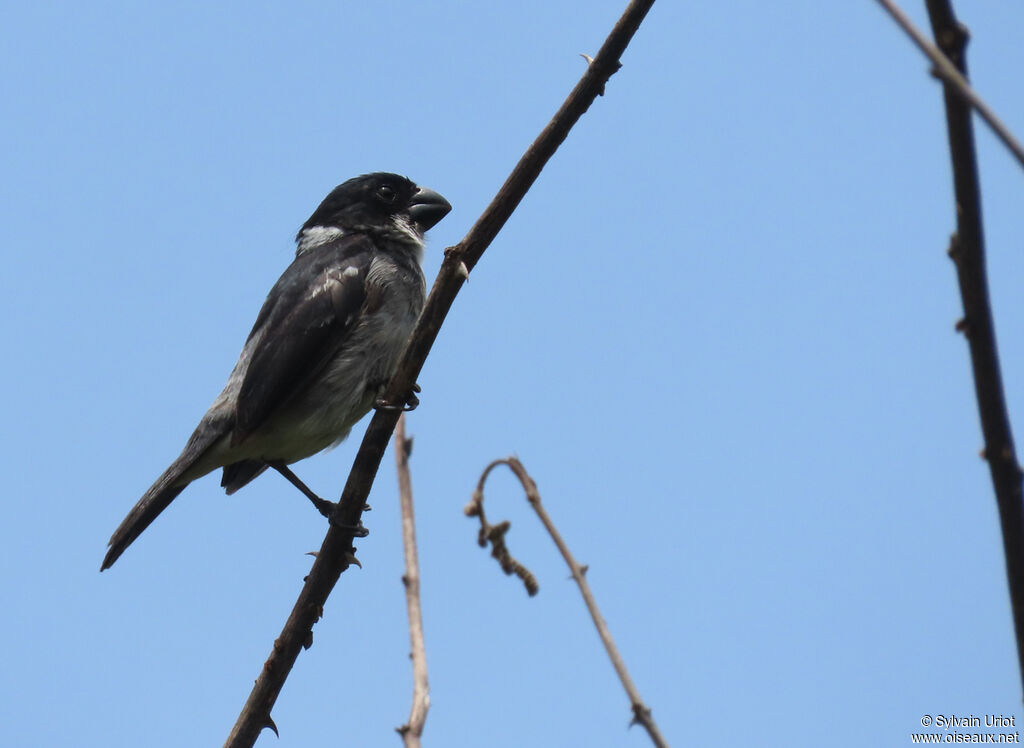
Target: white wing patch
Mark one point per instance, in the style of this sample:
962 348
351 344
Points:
315 236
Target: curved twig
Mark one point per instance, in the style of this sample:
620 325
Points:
337 551
967 250
475 508
495 535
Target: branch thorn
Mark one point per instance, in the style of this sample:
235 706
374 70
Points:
270 723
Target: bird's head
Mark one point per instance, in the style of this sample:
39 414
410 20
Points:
386 205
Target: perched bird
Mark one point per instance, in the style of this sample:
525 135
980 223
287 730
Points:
324 344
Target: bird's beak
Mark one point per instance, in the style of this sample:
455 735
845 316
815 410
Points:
427 208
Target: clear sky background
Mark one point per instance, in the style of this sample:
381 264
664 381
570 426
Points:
718 332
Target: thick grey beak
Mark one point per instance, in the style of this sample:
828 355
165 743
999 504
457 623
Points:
427 208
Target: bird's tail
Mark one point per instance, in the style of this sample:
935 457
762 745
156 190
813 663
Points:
194 462
155 500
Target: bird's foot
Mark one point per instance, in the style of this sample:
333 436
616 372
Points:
327 508
323 506
411 401
358 530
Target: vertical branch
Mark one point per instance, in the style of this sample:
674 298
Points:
641 712
412 730
967 250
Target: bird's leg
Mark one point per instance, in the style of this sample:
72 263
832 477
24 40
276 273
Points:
411 401
323 506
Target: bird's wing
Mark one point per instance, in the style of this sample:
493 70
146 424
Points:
312 309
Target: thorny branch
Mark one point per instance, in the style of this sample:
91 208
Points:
337 551
967 250
954 78
475 508
412 730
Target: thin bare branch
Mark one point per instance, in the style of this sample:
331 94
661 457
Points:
337 551
412 730
955 81
967 250
641 713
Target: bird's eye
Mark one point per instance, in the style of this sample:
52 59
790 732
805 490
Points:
387 194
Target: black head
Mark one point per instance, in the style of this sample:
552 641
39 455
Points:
380 203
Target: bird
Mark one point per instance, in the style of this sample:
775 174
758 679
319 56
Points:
324 345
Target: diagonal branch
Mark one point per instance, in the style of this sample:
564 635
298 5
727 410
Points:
337 551
967 250
955 80
641 713
412 730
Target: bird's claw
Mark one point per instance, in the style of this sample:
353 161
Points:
324 506
411 402
358 530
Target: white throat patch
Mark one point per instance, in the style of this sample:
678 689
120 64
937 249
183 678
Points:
406 231
400 229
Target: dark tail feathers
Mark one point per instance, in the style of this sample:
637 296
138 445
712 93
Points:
154 501
167 486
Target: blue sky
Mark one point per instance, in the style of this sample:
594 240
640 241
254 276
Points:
718 332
